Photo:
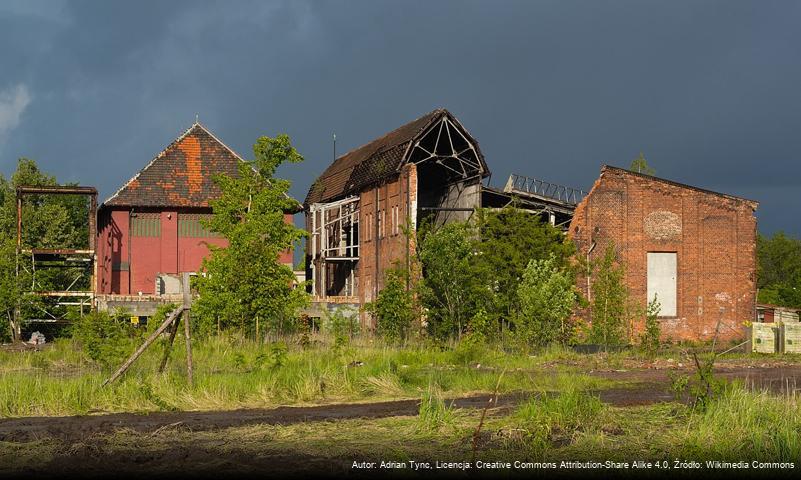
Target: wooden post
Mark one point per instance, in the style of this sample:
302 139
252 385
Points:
188 347
168 348
153 336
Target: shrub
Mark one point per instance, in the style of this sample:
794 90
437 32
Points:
547 297
105 338
342 323
649 340
394 308
609 301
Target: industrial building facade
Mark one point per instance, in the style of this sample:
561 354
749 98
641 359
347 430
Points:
151 230
692 249
363 211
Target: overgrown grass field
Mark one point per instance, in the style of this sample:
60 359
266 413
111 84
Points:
234 373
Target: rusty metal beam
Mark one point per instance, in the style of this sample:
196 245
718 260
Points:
56 189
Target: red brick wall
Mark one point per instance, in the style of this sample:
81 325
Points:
714 237
377 252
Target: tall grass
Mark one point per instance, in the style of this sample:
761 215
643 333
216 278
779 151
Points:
234 373
746 424
434 413
558 418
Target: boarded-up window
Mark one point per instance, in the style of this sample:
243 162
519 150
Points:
662 281
146 225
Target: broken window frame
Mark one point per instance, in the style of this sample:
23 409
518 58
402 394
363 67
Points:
332 221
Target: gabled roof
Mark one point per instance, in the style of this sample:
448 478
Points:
604 168
374 161
182 174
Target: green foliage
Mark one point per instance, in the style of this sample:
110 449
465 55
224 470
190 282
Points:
703 386
9 288
278 354
509 239
547 296
609 301
434 413
640 165
779 270
479 329
245 282
743 424
394 309
549 418
342 323
649 340
49 221
450 290
106 339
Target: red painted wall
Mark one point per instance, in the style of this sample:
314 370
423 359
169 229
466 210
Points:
149 255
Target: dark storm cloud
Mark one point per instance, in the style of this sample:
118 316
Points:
553 89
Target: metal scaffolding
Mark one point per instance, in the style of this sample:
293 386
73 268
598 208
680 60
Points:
84 260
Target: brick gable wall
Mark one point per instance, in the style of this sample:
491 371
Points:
713 235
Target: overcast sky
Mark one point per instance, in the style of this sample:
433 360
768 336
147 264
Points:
709 91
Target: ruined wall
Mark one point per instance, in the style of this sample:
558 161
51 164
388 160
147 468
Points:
713 236
459 195
383 242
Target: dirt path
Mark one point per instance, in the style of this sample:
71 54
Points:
77 427
650 386
774 378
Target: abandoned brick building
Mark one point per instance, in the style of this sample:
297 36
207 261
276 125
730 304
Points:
149 231
358 212
692 249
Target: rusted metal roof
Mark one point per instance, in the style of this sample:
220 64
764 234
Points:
182 174
370 163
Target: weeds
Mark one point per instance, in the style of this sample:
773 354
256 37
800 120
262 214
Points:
434 414
742 424
231 372
549 419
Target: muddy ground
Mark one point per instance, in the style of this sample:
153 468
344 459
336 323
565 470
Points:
83 453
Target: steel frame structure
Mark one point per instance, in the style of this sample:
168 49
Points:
58 257
451 150
546 190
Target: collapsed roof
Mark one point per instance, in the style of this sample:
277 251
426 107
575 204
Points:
436 137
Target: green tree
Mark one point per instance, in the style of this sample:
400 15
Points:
49 221
509 239
244 285
394 308
450 290
640 165
547 297
779 270
609 301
